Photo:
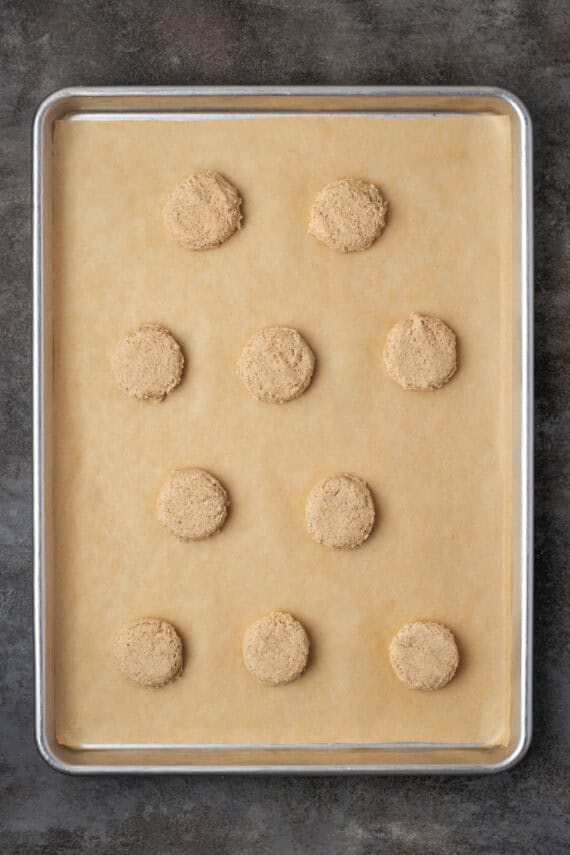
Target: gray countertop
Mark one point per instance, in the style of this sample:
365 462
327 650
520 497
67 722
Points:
522 46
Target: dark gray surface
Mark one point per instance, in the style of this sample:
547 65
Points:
522 46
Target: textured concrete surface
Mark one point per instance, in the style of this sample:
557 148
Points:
519 45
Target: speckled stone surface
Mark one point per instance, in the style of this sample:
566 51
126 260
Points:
522 46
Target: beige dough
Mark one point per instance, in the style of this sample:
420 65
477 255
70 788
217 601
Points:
149 652
276 365
148 362
276 649
203 211
424 655
420 353
339 511
192 504
348 214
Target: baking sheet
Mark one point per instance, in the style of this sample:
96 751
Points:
439 465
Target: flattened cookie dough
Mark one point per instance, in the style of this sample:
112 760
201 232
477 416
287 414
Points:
348 214
421 353
203 211
424 655
192 504
276 365
339 511
148 363
149 652
276 649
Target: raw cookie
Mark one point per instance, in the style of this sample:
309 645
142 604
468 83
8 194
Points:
424 655
148 362
276 649
192 504
420 353
203 211
339 511
276 365
348 215
149 652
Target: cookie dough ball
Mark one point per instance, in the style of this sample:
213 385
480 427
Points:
203 211
339 512
424 655
348 215
421 353
276 649
149 652
276 365
148 362
192 504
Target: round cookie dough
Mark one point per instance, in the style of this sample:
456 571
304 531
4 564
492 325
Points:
421 353
276 365
203 211
424 655
348 214
192 504
276 649
149 652
339 511
148 362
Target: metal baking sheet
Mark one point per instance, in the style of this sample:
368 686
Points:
185 103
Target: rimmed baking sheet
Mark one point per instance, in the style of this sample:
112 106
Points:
440 466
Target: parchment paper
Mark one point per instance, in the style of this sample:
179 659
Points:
438 463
